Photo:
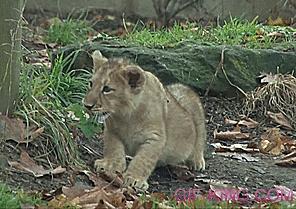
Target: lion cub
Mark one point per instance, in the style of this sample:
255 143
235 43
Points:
156 125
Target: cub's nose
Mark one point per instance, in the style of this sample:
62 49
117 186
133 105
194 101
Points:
88 106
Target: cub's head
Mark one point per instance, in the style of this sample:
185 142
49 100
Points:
114 85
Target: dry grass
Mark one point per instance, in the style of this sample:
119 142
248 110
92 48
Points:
278 94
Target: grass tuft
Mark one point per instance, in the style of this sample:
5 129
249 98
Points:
11 199
233 32
46 97
68 32
278 94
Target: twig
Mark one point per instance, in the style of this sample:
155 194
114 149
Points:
233 85
181 8
124 24
221 67
216 72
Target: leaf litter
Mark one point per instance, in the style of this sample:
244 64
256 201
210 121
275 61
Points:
27 164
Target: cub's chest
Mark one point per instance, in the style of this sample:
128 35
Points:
131 136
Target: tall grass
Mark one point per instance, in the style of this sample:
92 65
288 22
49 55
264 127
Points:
45 98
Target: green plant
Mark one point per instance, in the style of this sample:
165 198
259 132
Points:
88 126
233 32
68 32
162 38
45 96
14 199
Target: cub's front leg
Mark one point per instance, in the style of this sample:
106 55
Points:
114 156
144 162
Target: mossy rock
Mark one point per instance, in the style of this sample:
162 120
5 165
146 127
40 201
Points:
195 64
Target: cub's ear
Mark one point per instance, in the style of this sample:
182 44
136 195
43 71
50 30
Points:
98 60
135 77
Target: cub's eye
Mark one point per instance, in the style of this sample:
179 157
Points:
90 84
107 89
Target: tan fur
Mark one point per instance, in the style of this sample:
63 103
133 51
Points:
156 125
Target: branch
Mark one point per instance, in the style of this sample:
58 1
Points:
221 67
181 8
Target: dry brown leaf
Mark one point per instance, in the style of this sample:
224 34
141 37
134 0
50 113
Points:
12 129
248 122
266 78
96 179
93 198
287 162
231 135
182 173
279 21
234 148
238 156
27 164
276 34
289 144
74 191
271 142
280 119
229 121
34 134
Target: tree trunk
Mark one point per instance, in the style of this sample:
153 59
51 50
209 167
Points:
10 53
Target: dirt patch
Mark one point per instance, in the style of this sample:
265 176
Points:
262 174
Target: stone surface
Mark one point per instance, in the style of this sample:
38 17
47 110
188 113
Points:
194 64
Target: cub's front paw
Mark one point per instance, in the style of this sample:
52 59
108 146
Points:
136 183
201 164
110 166
197 164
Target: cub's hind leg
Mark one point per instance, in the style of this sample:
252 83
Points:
196 159
190 101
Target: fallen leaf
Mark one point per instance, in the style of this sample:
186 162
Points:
279 21
265 78
234 148
280 119
34 134
182 173
288 160
229 121
289 144
248 122
231 135
12 129
271 142
238 156
90 198
276 34
96 179
28 164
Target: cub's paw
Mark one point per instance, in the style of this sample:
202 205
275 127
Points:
106 165
198 164
136 183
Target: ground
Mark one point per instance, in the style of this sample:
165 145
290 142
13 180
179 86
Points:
262 174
